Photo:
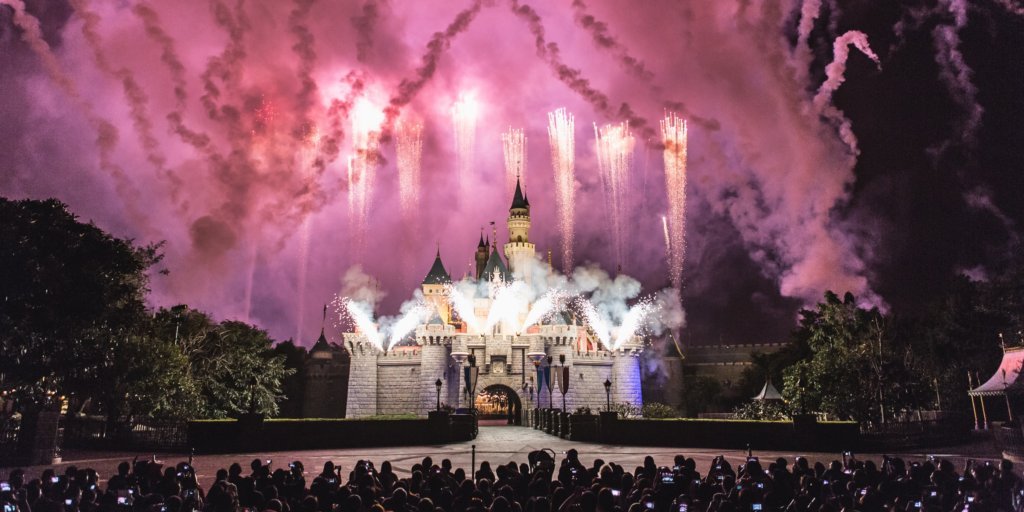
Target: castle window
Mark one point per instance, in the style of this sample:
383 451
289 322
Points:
519 239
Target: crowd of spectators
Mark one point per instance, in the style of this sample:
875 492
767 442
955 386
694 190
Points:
542 484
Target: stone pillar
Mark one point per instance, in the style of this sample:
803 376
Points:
433 365
362 379
626 377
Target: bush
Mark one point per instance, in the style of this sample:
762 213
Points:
626 410
769 410
658 410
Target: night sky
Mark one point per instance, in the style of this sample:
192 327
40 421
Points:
811 166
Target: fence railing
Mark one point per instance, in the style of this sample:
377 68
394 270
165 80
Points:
1009 438
146 434
945 429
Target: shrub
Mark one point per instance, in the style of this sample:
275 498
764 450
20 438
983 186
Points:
626 410
658 410
772 410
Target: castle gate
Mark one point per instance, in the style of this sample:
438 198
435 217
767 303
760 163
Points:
499 401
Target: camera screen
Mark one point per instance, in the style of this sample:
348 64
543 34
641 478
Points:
5 486
616 492
649 505
67 502
668 479
683 507
756 507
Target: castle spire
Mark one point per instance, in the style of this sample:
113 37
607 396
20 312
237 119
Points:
518 200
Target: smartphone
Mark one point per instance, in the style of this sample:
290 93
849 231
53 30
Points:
683 507
970 499
268 462
721 478
668 479
649 505
933 494
122 500
696 481
68 502
54 479
10 507
917 504
760 485
92 487
616 493
825 482
756 507
291 465
5 486
751 459
863 492
190 493
163 508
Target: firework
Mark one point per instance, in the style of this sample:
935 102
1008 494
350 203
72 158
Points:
509 301
410 151
597 323
543 307
514 145
463 306
668 239
614 144
673 133
464 115
362 165
361 314
632 322
563 160
406 323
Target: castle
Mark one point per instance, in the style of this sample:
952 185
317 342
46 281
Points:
404 379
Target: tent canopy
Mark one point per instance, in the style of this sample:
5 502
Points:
768 392
1005 378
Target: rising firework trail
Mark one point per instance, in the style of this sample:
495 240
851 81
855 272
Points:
673 134
614 144
513 143
668 238
362 167
361 315
407 323
563 160
464 116
409 141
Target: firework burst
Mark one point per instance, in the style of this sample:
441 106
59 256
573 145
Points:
409 141
464 116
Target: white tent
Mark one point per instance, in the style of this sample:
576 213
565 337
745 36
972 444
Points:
1003 382
768 392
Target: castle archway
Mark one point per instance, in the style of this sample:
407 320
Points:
499 401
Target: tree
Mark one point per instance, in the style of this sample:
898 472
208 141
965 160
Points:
699 393
293 387
237 371
855 369
69 293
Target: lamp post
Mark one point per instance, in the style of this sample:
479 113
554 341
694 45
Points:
472 372
608 394
437 384
536 358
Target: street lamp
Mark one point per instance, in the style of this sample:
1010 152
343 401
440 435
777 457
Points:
437 384
536 358
472 372
608 394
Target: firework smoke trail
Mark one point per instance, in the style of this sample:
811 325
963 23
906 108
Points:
834 73
614 145
954 71
1011 7
464 116
364 25
303 49
250 281
168 55
463 307
137 99
542 307
362 166
408 88
603 38
362 316
561 135
406 324
513 144
409 146
106 133
673 135
337 113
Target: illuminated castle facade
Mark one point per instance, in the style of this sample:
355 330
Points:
403 380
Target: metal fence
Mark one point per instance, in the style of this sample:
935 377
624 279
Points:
934 430
146 434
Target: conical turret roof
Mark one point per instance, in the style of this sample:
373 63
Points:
437 274
519 200
495 264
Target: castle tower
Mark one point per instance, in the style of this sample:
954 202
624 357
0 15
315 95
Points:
434 288
519 249
481 255
326 380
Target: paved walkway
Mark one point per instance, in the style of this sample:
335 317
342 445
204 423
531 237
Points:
496 444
